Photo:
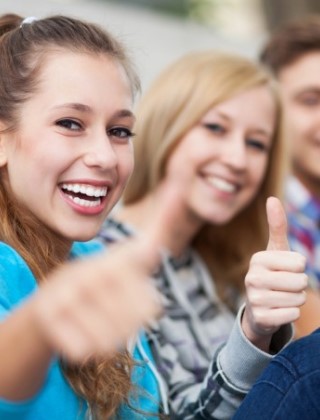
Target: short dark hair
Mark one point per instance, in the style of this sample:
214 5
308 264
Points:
291 41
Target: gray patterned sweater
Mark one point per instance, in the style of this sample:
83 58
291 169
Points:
206 362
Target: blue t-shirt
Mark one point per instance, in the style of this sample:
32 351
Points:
56 400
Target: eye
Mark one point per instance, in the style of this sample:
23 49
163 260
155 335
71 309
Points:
257 144
215 128
310 99
121 133
69 124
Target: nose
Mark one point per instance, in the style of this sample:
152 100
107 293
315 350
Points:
100 153
235 153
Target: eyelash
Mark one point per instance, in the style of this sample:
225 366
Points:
128 134
310 101
220 130
119 132
257 144
67 123
214 127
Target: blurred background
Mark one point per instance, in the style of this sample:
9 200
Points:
158 31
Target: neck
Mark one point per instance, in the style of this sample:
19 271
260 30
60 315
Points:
181 231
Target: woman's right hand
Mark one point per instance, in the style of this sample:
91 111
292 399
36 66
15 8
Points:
93 306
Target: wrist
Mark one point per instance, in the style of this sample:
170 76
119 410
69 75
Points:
258 338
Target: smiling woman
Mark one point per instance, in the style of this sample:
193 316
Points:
65 158
209 125
85 140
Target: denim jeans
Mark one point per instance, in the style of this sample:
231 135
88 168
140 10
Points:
289 388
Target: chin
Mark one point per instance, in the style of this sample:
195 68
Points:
82 236
219 220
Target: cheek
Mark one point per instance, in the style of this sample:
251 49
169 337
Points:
258 172
300 121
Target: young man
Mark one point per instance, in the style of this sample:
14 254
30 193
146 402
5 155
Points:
293 55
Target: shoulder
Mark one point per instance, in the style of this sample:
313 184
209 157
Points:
16 279
10 259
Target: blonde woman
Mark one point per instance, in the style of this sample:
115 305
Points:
209 123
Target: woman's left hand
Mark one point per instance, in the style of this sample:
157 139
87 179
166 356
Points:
275 283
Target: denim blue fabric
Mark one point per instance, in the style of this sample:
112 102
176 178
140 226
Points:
289 388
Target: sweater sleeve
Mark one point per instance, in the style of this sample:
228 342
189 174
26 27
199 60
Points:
232 372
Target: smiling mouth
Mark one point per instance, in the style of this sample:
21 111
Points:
223 185
84 195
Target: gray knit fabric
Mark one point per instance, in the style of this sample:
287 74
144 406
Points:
207 363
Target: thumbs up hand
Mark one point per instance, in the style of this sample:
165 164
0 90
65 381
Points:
275 282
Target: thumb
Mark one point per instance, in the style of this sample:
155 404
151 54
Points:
159 229
277 222
166 212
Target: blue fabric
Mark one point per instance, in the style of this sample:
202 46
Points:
303 211
289 388
56 400
145 398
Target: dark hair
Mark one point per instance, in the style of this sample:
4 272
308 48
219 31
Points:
291 41
24 47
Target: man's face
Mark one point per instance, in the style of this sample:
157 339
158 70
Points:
300 91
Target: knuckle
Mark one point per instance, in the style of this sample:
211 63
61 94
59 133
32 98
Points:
254 298
300 260
261 319
304 281
251 279
256 258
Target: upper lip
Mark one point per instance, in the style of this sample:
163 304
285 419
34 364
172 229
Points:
88 182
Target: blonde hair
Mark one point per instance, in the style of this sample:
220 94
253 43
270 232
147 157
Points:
175 102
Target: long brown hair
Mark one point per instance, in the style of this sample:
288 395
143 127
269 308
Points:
105 384
174 103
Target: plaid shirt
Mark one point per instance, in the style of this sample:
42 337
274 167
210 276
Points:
303 212
206 362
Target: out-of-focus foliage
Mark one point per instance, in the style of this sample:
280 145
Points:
199 10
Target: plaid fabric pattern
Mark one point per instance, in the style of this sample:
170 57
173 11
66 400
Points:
303 212
200 351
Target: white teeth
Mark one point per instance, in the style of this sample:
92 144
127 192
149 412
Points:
86 203
88 190
222 185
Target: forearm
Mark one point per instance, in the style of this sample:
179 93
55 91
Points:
24 355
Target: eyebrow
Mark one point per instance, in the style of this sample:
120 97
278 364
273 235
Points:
263 131
122 113
307 89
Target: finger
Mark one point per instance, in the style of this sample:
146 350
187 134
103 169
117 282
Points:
162 227
277 221
273 260
271 318
276 299
286 282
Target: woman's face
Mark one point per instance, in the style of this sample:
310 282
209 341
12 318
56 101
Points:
71 157
223 158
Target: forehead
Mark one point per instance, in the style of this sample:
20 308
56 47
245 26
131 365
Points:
97 80
249 101
305 71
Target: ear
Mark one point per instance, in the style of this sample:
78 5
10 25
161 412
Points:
3 149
